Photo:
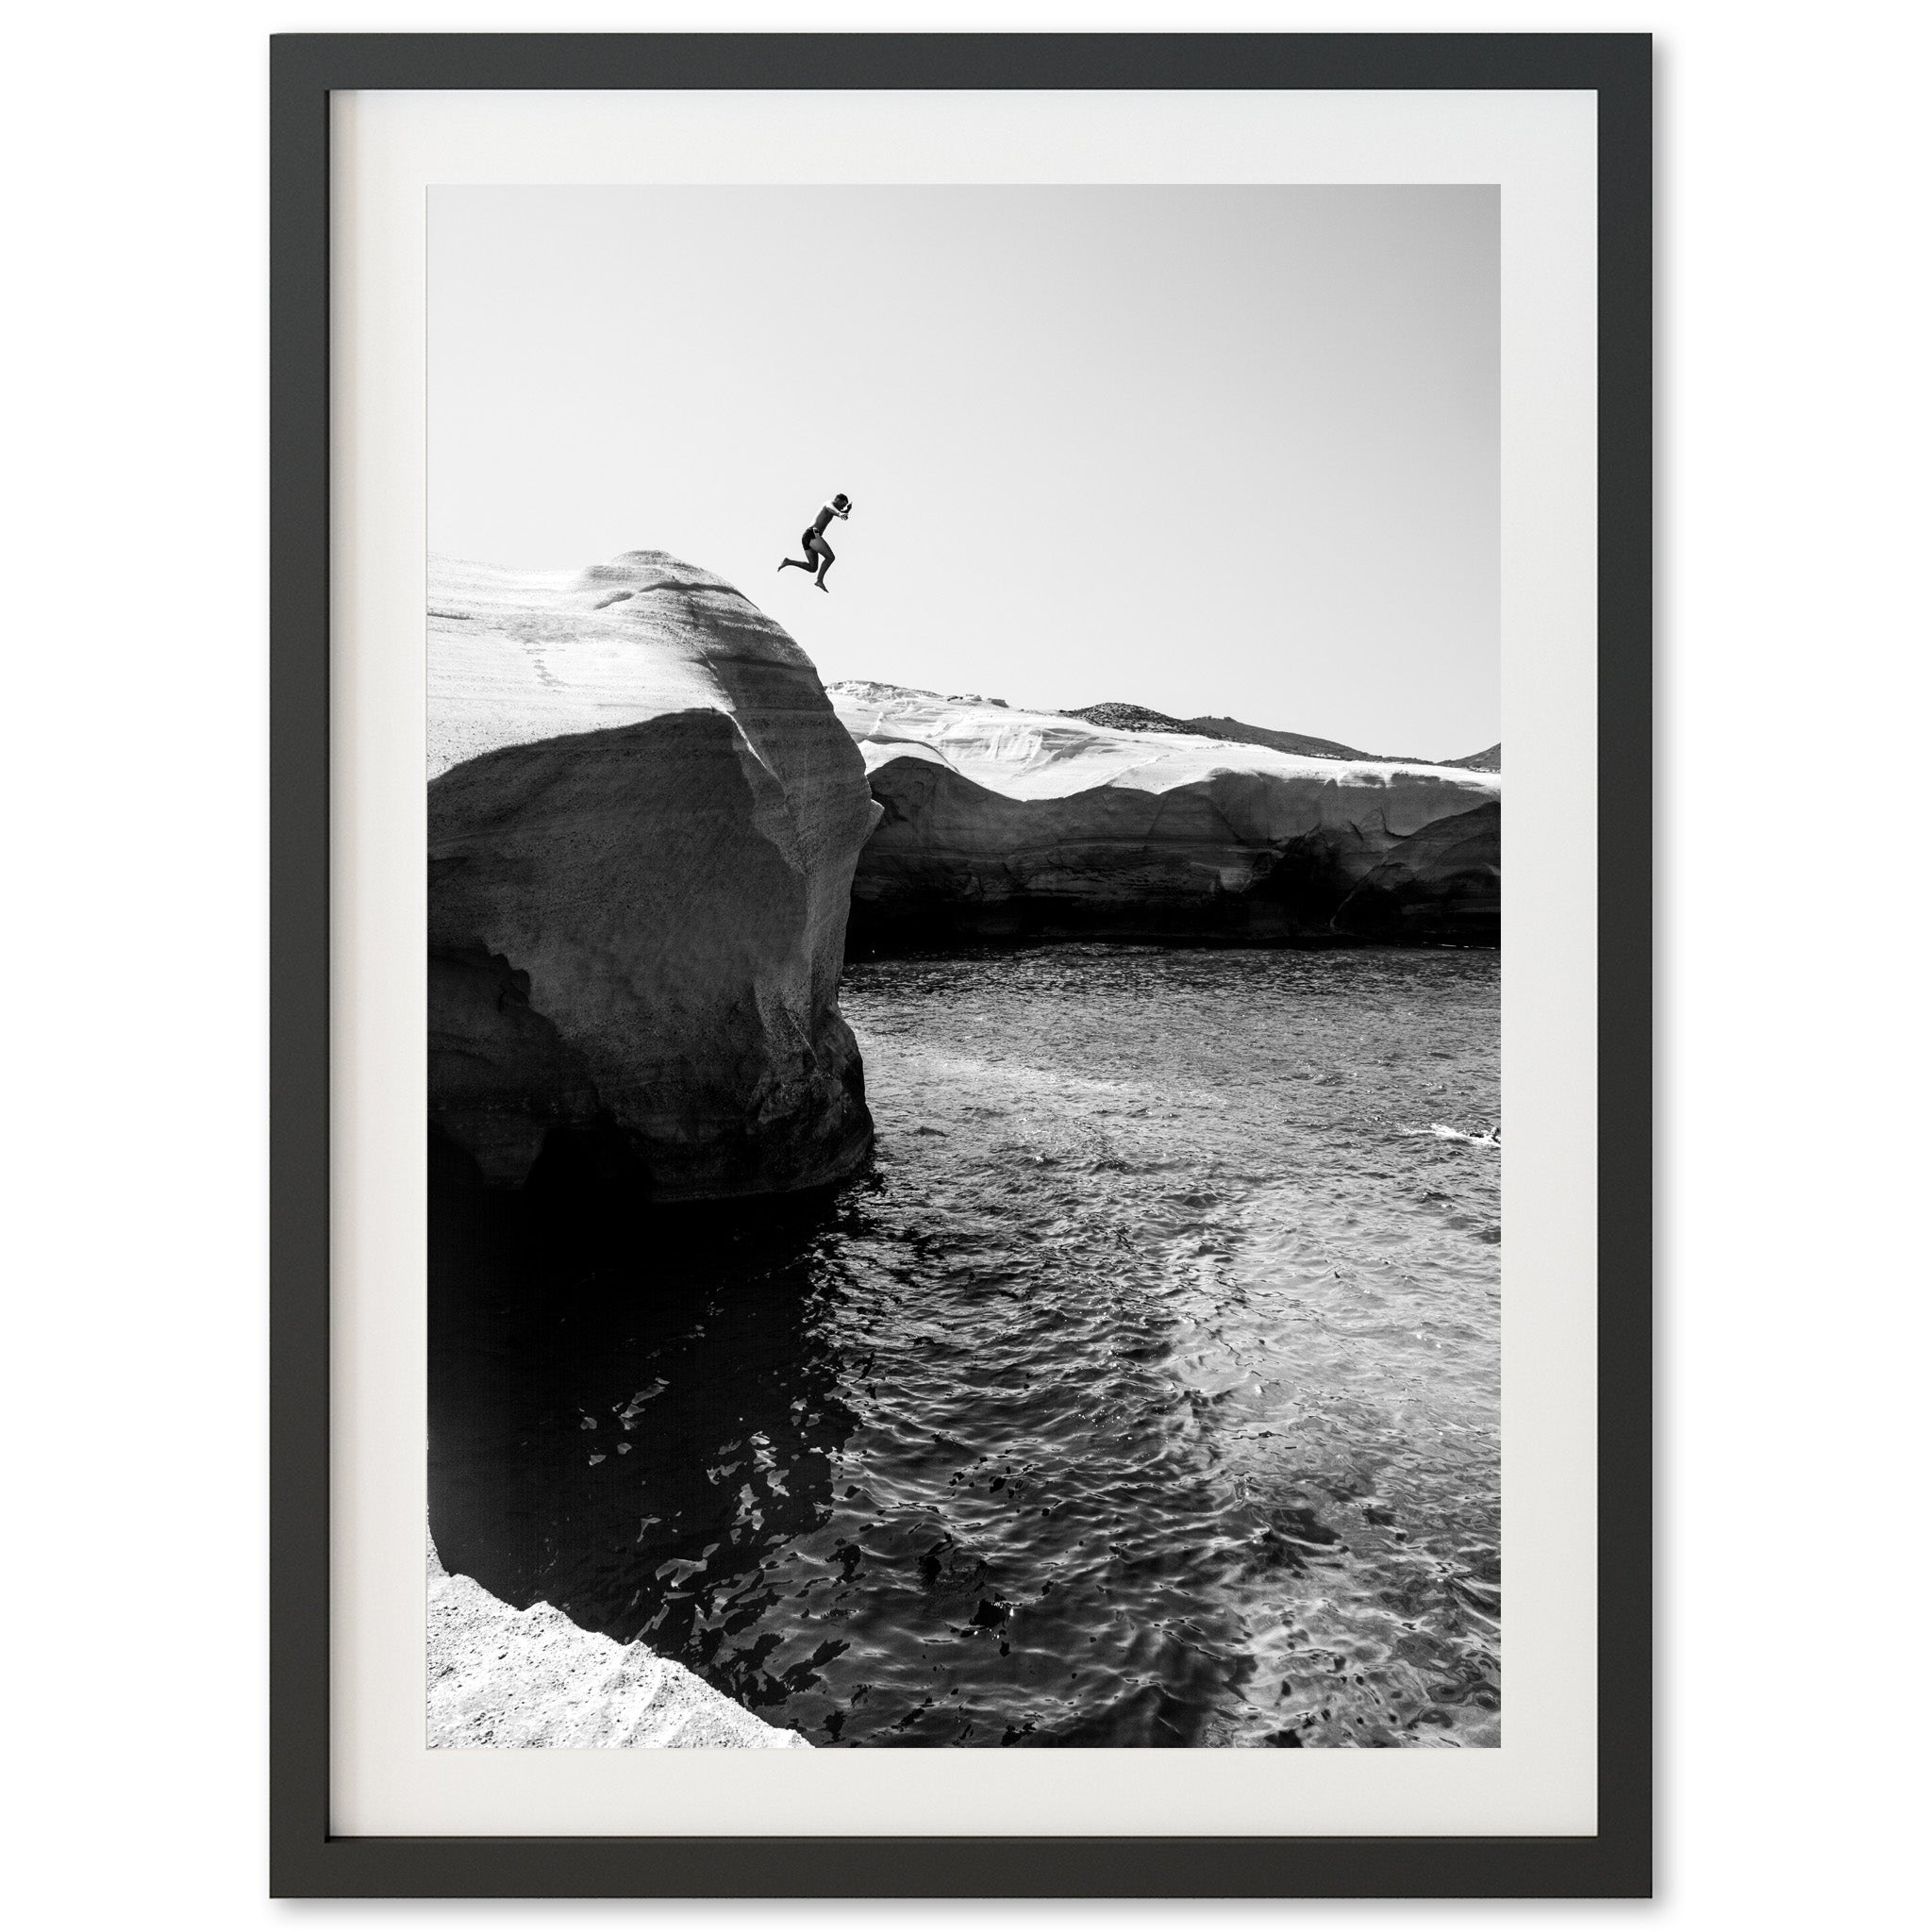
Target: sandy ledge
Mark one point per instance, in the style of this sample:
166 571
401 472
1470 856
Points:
510 1679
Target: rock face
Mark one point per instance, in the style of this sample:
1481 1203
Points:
1006 824
509 1678
644 819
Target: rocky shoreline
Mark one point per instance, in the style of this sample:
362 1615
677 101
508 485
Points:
509 1679
1002 824
654 835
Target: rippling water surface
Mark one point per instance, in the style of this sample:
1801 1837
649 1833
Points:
1144 1393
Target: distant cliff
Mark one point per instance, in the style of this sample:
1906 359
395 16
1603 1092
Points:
1118 717
644 819
1296 742
1006 824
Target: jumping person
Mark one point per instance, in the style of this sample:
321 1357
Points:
818 553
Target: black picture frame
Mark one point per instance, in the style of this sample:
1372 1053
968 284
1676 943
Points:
306 1859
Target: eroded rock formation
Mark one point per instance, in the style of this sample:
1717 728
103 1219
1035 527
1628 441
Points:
1001 823
644 819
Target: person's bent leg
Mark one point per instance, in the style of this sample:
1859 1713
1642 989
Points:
825 560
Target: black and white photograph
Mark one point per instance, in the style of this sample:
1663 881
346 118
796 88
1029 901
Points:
767 1043
964 977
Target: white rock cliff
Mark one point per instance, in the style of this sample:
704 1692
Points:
1001 823
643 819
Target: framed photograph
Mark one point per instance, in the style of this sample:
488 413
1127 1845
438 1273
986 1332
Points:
895 999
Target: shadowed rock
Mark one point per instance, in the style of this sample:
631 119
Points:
643 818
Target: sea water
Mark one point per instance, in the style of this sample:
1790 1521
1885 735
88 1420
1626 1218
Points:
1144 1391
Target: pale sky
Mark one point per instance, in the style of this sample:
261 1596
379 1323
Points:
1225 450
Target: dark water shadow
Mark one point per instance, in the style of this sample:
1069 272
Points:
628 1407
636 1414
